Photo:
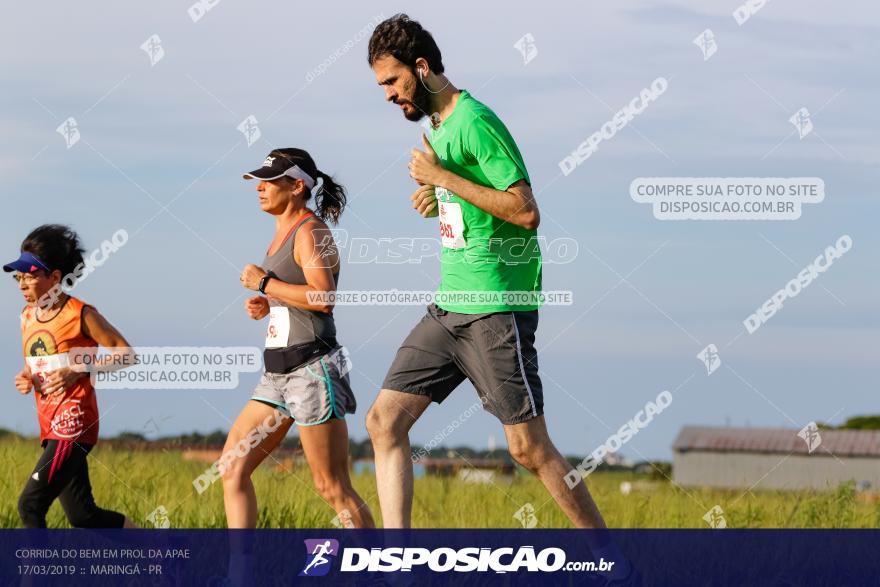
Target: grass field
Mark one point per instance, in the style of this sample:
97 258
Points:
137 482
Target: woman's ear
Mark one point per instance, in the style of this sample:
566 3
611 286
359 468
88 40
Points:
292 183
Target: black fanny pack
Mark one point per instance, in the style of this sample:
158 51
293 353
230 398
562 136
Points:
291 358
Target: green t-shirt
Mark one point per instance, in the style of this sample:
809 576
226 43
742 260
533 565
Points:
496 262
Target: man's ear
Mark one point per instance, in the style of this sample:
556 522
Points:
422 68
56 276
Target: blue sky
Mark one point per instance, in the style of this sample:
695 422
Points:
166 135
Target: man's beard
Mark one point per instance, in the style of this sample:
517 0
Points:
421 101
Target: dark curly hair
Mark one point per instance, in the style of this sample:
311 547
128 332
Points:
56 245
406 41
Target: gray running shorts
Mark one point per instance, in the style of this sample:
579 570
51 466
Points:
496 352
312 394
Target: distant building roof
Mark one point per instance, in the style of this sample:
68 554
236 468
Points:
777 440
470 463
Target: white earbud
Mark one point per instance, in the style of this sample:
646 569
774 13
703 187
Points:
422 79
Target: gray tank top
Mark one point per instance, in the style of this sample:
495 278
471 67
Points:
305 325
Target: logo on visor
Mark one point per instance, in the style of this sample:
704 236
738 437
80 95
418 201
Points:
268 161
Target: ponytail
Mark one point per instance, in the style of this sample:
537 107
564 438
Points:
330 199
329 195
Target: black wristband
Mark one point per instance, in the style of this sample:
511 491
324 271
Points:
265 280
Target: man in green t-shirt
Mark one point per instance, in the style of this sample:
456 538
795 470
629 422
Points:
482 326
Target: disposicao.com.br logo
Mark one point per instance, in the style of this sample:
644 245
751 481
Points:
443 559
318 561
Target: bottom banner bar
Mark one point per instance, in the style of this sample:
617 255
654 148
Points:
440 557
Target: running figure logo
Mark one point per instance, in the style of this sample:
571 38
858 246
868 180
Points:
802 122
810 435
250 128
526 516
715 518
710 358
527 48
318 561
153 48
70 131
706 42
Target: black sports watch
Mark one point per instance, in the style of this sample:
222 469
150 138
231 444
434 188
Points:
265 280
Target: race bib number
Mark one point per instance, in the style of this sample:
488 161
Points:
279 327
451 225
42 365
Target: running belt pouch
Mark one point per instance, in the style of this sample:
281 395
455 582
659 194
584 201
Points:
293 357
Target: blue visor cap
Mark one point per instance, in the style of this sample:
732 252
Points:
26 263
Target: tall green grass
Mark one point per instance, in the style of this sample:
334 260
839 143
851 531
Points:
137 482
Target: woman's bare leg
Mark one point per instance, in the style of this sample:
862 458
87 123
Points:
326 449
239 460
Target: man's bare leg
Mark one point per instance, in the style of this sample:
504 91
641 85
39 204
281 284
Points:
388 423
530 446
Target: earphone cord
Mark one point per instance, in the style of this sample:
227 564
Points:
421 79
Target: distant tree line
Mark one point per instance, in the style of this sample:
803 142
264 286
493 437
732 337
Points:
854 423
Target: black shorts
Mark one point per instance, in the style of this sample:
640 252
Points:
496 352
62 472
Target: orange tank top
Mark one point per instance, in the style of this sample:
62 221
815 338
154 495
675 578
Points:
72 414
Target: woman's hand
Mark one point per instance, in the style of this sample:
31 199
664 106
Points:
251 276
257 307
23 381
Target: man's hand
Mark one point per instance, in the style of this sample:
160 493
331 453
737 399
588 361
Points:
60 380
424 166
23 381
251 276
257 307
425 201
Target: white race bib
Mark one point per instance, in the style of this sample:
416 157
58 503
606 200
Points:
451 225
279 327
41 365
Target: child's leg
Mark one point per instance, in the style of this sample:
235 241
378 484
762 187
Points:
77 500
50 475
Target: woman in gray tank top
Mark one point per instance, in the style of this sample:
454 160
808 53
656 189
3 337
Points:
306 371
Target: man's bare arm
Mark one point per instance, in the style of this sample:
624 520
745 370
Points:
516 205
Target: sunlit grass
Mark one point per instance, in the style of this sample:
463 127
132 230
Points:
137 482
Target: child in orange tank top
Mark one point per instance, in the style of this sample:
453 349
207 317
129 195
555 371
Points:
59 334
